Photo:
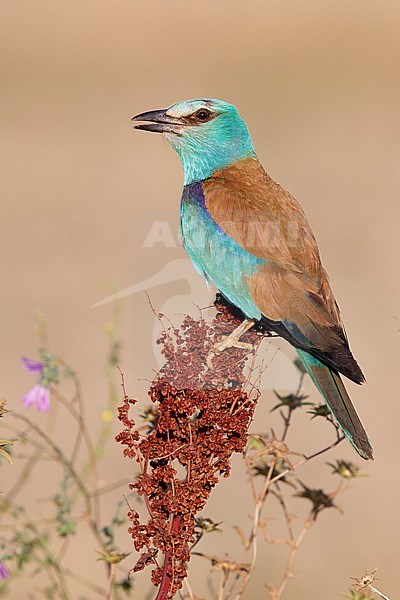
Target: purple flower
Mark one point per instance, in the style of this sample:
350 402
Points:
32 365
38 395
4 572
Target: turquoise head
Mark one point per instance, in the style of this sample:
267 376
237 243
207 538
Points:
207 134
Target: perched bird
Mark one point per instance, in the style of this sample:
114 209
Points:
252 240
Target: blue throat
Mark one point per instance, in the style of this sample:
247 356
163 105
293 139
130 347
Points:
198 166
213 146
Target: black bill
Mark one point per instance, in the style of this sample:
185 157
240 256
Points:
158 121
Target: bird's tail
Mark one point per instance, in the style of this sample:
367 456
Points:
337 399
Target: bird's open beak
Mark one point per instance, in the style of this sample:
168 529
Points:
158 121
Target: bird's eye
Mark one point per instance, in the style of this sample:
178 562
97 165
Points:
203 115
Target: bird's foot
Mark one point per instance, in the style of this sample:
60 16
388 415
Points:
231 341
226 343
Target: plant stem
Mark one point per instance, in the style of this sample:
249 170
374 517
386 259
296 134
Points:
166 577
69 467
293 551
379 593
111 579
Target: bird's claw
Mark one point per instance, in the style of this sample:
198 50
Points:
224 344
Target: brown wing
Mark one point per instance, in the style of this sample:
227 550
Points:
291 287
264 218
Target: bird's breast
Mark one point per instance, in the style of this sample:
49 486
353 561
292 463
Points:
214 254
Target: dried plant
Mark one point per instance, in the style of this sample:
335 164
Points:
201 413
202 406
364 585
201 421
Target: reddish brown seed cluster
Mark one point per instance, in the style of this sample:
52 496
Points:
204 414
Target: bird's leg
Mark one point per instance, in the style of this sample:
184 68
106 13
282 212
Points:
232 340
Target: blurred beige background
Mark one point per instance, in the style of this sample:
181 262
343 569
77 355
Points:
318 85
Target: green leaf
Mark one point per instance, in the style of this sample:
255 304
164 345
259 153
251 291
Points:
4 452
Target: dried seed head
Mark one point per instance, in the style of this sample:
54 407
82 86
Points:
202 418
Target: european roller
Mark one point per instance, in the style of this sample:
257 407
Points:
251 239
